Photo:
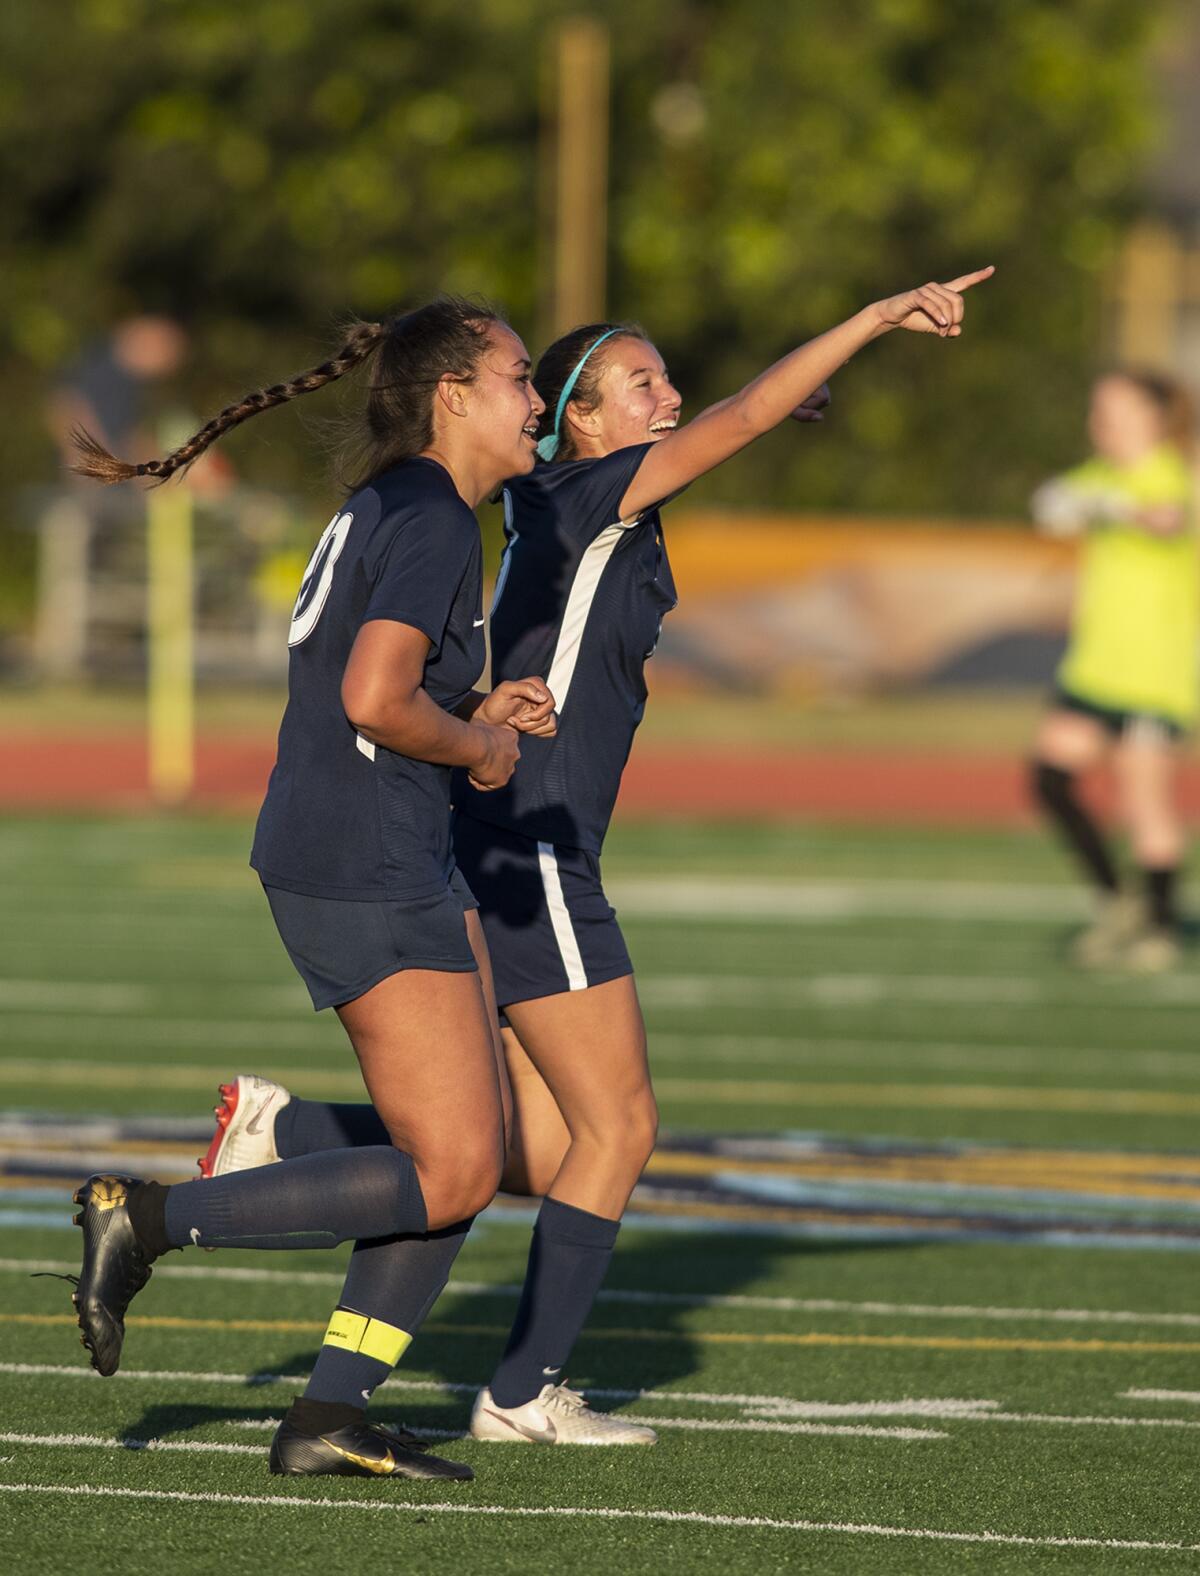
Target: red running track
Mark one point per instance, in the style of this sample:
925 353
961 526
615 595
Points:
108 772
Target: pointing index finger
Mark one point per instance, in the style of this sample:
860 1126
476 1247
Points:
965 281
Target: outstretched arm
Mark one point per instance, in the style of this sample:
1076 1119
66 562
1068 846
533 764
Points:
723 429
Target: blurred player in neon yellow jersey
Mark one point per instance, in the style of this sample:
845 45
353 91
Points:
1127 689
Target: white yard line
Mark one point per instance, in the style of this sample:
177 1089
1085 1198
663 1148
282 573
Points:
717 898
1191 1397
668 1299
768 1413
596 1513
273 1044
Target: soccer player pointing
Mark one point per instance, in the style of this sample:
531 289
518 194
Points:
587 524
581 594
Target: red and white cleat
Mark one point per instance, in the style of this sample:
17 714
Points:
245 1135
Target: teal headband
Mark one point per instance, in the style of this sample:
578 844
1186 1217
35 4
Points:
548 447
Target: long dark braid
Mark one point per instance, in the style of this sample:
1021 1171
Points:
103 467
95 460
445 338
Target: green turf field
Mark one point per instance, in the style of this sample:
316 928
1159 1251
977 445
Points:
946 1320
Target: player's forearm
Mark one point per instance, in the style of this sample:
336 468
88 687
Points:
772 396
414 725
723 429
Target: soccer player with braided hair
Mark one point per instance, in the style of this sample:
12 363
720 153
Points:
582 591
353 848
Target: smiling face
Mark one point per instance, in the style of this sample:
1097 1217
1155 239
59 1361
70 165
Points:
503 406
636 401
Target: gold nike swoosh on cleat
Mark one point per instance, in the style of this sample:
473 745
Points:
381 1468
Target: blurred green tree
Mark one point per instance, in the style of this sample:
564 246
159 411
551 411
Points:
259 170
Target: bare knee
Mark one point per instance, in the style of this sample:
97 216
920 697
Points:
458 1184
642 1129
625 1134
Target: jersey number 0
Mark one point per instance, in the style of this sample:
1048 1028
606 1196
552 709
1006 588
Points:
318 578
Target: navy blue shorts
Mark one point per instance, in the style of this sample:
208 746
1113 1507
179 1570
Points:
341 949
548 924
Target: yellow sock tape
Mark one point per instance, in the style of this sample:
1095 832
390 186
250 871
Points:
354 1332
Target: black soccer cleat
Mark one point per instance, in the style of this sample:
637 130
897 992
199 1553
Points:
115 1267
361 1450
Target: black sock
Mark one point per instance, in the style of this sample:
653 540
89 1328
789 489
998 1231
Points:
322 1417
1055 791
147 1209
567 1261
1160 894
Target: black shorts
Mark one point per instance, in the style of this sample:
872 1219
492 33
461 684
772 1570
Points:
548 924
1151 726
341 949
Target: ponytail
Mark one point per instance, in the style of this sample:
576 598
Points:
412 353
96 462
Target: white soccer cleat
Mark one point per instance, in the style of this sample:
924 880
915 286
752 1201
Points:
245 1135
557 1416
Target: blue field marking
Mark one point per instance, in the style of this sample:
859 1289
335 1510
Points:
794 1184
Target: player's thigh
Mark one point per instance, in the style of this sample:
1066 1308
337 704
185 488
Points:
590 1048
424 1043
1071 741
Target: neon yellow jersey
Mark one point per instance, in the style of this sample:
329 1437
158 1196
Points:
1135 639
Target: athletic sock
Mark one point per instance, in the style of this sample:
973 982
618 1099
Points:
1055 791
1160 895
304 1127
390 1285
147 1206
316 1201
567 1261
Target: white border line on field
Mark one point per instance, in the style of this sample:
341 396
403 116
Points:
768 1413
596 1513
1192 1397
666 1299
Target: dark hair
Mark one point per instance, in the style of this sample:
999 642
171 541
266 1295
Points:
1170 398
412 352
556 365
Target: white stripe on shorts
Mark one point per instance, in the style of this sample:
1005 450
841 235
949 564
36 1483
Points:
564 932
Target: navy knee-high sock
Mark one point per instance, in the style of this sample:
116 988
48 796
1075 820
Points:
305 1126
316 1201
567 1262
393 1283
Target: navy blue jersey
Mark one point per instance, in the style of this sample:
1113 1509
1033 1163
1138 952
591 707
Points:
580 600
343 817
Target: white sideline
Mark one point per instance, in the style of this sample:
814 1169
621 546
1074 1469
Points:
676 1517
1192 1396
268 1044
769 1413
699 991
667 1299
